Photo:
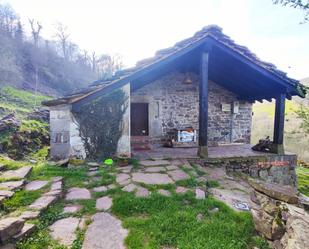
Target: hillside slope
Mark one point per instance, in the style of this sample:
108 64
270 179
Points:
295 139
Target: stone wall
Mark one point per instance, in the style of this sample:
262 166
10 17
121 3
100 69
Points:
65 134
173 104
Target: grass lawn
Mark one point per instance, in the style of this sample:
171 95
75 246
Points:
179 221
303 180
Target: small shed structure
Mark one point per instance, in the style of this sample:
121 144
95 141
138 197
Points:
198 92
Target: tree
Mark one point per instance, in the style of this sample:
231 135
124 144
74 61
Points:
8 20
63 37
296 4
303 114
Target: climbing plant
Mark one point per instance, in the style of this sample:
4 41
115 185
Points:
101 124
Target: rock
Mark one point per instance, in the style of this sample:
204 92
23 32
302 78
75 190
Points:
10 227
214 210
304 201
152 178
284 193
199 217
172 167
56 193
100 189
35 185
40 115
103 228
27 215
181 190
296 236
43 202
12 185
148 163
64 230
178 175
104 203
78 194
57 178
262 222
126 169
199 194
2 167
17 173
155 169
25 231
122 178
93 169
9 122
164 192
93 164
56 186
268 204
69 209
142 192
130 188
6 193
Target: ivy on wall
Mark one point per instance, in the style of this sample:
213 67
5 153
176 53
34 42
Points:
101 124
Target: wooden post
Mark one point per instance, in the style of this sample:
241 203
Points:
203 105
279 123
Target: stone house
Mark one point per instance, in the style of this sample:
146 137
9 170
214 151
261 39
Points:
198 93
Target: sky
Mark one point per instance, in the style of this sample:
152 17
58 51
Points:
137 28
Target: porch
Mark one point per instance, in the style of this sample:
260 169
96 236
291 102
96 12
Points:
223 151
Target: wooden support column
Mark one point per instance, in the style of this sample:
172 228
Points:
279 123
203 105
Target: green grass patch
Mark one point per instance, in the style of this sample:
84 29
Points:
303 180
20 199
159 221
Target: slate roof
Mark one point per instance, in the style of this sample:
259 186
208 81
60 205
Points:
211 31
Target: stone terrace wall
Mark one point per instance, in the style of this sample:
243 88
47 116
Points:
173 104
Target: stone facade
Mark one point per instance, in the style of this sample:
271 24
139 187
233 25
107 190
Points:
65 134
174 104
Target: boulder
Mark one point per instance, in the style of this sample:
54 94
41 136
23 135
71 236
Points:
284 193
10 227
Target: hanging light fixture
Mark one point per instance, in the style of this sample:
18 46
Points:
187 79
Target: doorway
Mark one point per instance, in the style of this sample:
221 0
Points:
139 119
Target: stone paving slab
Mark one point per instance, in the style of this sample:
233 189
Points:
78 194
122 177
142 192
148 163
27 229
178 175
36 185
92 173
155 169
70 209
199 194
27 215
105 232
172 167
130 188
100 189
9 227
152 178
104 203
12 185
6 193
17 173
56 185
42 202
64 230
181 190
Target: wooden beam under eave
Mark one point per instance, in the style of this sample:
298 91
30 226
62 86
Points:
203 104
279 123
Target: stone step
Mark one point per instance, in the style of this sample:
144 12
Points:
27 229
10 227
43 202
20 173
12 185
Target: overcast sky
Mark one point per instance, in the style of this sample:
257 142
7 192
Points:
137 28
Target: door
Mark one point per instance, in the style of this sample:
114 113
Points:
139 119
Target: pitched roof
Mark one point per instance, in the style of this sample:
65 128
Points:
213 32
